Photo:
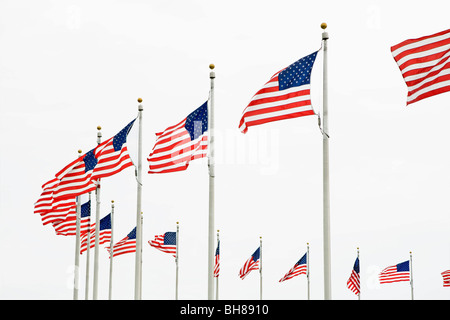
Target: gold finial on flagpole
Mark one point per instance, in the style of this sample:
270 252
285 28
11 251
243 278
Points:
79 151
323 25
99 128
139 100
212 66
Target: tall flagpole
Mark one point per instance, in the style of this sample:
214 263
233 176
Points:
212 75
326 174
88 249
111 251
97 225
411 275
307 267
138 262
176 262
77 245
260 268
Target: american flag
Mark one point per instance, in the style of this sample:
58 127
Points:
104 235
299 268
446 278
80 175
425 65
181 143
166 242
396 273
251 264
126 245
353 282
217 261
68 226
286 95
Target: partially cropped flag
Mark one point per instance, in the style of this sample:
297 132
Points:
68 226
166 242
396 273
446 278
425 65
104 235
251 264
217 261
286 95
353 282
299 268
126 245
181 143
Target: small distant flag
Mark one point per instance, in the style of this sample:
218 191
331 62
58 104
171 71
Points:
217 261
286 95
353 283
396 273
425 65
299 268
179 144
446 278
104 235
166 242
251 264
126 245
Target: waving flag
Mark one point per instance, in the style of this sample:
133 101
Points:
166 242
179 144
68 226
299 268
425 65
251 264
446 278
396 273
353 282
286 95
126 245
216 261
104 235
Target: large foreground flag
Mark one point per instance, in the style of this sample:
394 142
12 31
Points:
353 282
251 264
166 242
425 65
126 245
299 268
446 278
286 95
181 143
396 273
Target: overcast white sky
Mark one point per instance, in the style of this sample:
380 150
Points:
68 66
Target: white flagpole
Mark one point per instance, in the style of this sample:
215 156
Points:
176 262
77 245
138 262
411 275
212 75
326 174
260 268
217 278
97 225
307 266
86 292
359 263
111 250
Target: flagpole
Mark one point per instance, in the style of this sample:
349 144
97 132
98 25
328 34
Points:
77 245
86 292
111 251
260 268
217 278
138 262
212 75
326 174
411 275
97 225
359 263
176 262
307 266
